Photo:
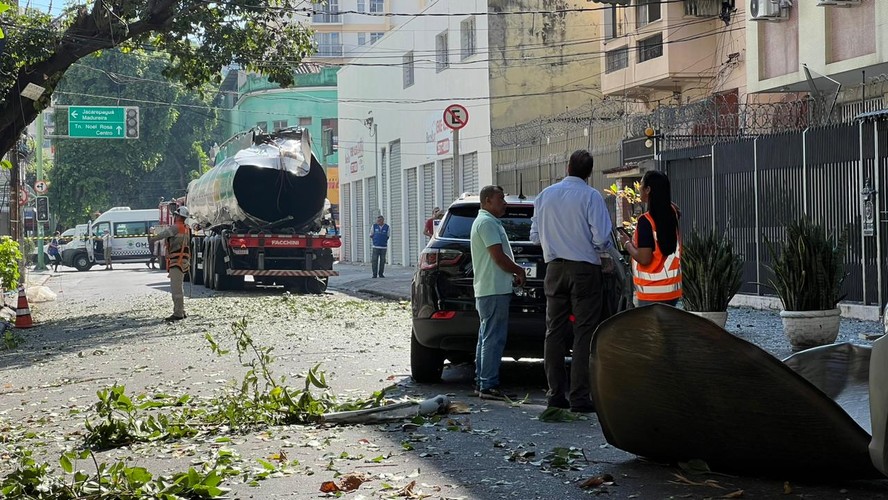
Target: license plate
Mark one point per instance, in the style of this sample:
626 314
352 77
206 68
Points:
530 268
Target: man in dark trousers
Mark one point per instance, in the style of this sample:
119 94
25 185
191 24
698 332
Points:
379 235
572 223
178 254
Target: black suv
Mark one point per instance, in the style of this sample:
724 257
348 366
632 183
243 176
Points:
445 321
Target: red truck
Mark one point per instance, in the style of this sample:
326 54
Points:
262 212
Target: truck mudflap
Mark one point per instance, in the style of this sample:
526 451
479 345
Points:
265 272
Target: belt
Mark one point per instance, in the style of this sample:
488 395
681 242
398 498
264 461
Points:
560 260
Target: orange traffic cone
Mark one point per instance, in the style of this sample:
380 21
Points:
23 312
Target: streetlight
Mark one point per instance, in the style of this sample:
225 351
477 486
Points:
371 125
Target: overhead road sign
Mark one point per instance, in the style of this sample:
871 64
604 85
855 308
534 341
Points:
103 122
456 116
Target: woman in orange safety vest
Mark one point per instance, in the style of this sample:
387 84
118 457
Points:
655 247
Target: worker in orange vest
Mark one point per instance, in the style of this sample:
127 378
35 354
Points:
178 255
655 247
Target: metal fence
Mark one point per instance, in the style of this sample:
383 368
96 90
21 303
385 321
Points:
751 188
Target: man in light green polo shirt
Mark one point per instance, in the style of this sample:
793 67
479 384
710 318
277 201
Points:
495 274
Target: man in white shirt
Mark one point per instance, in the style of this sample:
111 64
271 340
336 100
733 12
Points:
572 223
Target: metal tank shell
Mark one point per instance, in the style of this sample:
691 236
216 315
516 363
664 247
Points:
274 184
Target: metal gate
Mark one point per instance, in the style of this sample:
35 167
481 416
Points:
412 217
396 215
345 219
360 224
448 190
470 172
373 202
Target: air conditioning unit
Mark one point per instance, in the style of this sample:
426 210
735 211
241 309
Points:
765 10
837 3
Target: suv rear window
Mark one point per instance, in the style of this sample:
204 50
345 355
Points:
516 222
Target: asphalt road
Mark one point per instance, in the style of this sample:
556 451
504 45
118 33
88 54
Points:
106 328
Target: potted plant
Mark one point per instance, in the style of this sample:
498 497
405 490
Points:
711 273
809 270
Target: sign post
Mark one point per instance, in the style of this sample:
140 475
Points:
103 122
456 116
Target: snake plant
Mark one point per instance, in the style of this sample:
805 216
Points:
808 267
711 271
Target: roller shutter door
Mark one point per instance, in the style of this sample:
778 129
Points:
344 221
373 202
470 172
428 195
395 249
449 189
360 224
412 217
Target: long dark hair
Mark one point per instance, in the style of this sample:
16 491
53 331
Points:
661 209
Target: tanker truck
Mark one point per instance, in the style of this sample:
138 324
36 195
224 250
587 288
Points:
263 212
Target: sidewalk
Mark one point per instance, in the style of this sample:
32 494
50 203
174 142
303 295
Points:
358 278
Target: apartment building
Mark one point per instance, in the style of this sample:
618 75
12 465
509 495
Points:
836 50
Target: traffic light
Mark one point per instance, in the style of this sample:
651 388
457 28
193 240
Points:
42 209
132 122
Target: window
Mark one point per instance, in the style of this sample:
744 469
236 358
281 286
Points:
616 59
650 48
130 228
377 6
374 37
362 39
442 60
611 26
467 37
304 121
458 224
408 69
280 124
362 6
647 11
262 126
327 12
328 45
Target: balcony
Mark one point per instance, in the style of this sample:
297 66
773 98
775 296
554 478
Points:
326 18
329 50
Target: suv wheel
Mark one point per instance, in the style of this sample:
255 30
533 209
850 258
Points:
426 363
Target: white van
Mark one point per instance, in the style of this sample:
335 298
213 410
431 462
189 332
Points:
129 238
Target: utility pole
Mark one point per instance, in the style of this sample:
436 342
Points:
41 265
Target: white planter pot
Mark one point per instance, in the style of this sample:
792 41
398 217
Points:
720 318
806 329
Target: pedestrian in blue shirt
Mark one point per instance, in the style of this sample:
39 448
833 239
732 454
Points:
379 235
495 272
572 224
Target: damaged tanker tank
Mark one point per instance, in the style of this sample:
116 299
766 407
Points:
275 183
263 212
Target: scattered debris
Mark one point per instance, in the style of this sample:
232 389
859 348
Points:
596 481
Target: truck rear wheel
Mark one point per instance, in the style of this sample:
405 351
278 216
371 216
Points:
220 276
315 285
208 263
197 277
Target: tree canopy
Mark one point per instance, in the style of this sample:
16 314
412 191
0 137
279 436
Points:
199 37
176 126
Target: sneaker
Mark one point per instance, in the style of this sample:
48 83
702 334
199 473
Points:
381 276
172 318
496 394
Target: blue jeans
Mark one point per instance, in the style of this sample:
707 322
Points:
494 313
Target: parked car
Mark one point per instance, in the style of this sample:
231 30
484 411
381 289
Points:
445 321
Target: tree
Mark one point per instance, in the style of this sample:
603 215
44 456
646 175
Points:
176 124
200 38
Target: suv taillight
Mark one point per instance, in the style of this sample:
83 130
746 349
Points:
434 258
